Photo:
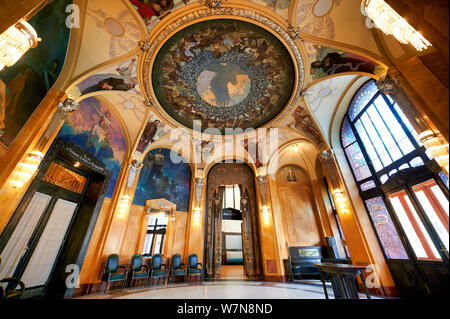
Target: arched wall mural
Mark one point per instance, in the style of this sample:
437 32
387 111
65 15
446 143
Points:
24 86
162 178
94 128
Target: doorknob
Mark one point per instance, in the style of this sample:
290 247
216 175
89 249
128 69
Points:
444 250
24 251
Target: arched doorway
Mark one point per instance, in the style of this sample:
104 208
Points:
237 179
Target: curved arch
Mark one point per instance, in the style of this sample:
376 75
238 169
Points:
307 163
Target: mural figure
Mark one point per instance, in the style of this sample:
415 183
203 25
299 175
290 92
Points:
335 63
148 8
161 178
28 81
120 78
149 134
302 121
329 61
96 130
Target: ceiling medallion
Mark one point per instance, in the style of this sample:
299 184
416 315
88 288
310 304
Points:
223 72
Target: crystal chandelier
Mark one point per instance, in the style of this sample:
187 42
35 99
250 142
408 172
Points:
390 22
15 42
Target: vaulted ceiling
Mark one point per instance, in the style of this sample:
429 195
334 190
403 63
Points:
111 51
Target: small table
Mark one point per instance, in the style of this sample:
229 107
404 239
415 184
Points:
343 279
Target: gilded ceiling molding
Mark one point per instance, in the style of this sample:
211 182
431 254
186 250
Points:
232 12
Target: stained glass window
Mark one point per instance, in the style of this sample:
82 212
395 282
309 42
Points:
368 185
358 162
380 141
385 229
359 102
348 137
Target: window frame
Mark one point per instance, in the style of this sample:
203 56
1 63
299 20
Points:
384 190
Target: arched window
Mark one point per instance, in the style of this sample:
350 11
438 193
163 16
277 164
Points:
406 197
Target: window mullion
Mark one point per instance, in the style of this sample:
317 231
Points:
399 119
371 141
379 135
389 129
365 154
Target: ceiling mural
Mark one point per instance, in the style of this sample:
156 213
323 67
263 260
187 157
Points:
281 7
153 11
111 31
336 20
323 97
153 131
224 73
121 77
302 122
322 26
132 111
328 61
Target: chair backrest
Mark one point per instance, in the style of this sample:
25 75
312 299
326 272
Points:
136 262
156 261
176 261
193 261
112 262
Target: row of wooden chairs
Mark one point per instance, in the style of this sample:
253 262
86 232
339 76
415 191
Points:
114 272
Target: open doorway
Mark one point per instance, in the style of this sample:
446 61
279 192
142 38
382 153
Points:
232 250
232 245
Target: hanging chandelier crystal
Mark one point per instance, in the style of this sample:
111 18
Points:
390 22
15 42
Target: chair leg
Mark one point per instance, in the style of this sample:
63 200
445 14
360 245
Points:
106 287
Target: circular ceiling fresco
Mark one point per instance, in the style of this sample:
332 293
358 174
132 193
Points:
224 73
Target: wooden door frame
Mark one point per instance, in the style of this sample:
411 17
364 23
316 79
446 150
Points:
82 225
254 217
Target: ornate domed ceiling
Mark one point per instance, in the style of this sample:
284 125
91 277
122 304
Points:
225 73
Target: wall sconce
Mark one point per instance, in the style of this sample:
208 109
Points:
27 168
436 149
123 206
341 201
266 215
15 42
196 217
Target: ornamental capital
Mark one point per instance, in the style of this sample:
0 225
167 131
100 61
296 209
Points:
387 84
325 156
68 106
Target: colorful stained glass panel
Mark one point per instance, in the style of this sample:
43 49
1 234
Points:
368 185
362 98
385 229
358 162
348 137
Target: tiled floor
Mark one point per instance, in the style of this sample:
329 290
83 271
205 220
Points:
223 290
